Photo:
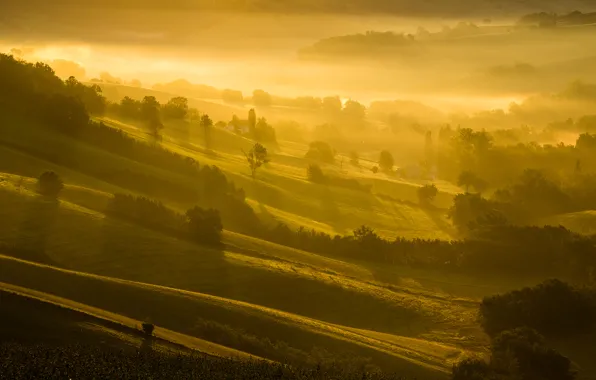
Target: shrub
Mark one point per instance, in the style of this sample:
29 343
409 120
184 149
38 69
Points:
517 354
386 161
552 307
427 193
204 226
315 174
148 328
50 184
320 151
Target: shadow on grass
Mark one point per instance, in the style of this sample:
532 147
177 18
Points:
35 230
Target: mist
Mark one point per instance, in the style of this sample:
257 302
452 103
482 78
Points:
300 189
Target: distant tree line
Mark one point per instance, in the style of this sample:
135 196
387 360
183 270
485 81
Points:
545 251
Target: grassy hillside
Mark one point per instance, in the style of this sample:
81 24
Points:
248 270
179 309
283 193
30 317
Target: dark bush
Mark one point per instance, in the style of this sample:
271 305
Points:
49 184
148 328
552 308
517 354
320 151
315 174
204 226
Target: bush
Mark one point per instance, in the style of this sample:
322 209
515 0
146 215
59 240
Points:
148 328
50 184
204 226
320 151
386 161
427 193
517 354
315 174
552 307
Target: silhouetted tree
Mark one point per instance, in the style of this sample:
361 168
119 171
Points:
320 151
204 226
150 114
232 96
468 179
332 105
265 132
261 98
386 161
176 108
354 111
49 184
427 194
252 122
130 108
206 123
354 159
315 174
256 157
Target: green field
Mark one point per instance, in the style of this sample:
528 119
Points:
398 320
323 290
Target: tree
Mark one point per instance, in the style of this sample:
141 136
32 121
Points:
232 96
315 174
427 194
386 161
49 184
256 157
466 179
204 226
176 108
332 105
354 111
130 108
354 159
429 154
265 132
468 209
150 114
261 98
252 122
206 123
320 151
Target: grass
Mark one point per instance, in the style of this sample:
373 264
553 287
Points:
253 286
249 270
167 307
283 193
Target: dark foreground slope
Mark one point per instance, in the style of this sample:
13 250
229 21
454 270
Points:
42 340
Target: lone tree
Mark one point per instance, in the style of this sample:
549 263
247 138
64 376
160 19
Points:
252 122
355 159
150 114
427 194
256 157
386 161
468 179
49 184
206 124
148 328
